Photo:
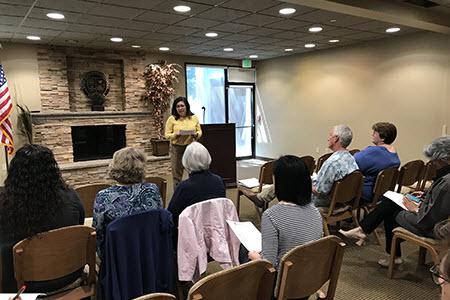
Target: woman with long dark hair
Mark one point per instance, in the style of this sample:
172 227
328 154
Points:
182 128
35 199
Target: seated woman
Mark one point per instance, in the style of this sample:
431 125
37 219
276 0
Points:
374 159
130 195
35 199
419 219
201 185
294 220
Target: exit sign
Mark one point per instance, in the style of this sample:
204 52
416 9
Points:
246 63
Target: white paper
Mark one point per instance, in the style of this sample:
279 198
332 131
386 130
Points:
23 296
186 132
250 182
88 222
396 197
247 234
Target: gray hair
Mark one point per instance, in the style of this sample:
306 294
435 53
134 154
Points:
344 133
127 166
196 158
438 149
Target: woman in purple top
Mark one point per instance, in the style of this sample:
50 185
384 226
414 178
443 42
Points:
376 158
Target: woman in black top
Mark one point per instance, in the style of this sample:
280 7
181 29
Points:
35 199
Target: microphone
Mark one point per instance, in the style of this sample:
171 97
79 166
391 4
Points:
204 111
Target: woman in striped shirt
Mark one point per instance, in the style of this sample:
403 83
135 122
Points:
294 220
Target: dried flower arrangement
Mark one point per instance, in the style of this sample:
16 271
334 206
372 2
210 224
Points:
160 82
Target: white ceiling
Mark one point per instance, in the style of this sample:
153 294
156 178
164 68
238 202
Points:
248 26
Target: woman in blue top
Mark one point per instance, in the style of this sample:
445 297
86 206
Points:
376 158
129 196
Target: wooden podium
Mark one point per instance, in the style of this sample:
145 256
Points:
220 140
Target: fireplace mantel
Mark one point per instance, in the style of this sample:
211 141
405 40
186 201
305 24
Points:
42 118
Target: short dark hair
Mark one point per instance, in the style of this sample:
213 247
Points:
292 180
386 130
174 107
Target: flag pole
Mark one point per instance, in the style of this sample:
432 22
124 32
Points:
6 158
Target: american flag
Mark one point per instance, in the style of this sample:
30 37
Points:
6 106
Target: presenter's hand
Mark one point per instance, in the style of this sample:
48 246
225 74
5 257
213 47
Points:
253 255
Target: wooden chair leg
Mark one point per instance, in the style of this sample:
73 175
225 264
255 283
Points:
392 257
326 230
377 237
422 255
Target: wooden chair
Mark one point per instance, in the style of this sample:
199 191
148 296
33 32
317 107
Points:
87 195
385 181
265 177
157 296
429 173
409 174
433 246
321 160
55 254
309 162
344 200
354 151
251 281
161 183
306 268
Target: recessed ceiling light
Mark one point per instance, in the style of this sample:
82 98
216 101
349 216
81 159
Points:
181 8
135 46
315 29
116 39
287 11
392 30
55 16
310 45
253 56
164 48
34 37
211 34
334 41
332 20
228 49
288 49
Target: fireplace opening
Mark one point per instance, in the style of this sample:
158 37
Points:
97 142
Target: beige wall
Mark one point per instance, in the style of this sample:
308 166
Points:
21 67
403 80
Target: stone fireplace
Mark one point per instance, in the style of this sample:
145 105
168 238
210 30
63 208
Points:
65 108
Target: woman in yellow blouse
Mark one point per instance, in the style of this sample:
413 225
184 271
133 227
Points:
182 128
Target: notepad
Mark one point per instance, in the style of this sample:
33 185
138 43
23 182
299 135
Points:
397 198
250 182
247 234
23 296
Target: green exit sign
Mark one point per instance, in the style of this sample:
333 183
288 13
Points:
246 63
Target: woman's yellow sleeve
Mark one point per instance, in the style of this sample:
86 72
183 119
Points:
169 134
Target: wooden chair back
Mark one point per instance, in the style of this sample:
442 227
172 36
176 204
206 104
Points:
410 173
304 269
57 253
265 175
385 181
251 281
161 183
309 162
354 151
157 296
87 195
429 173
321 160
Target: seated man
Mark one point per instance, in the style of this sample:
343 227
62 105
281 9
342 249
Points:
336 167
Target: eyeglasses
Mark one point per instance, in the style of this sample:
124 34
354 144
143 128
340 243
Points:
437 276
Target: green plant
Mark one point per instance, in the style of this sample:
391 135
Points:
160 82
25 122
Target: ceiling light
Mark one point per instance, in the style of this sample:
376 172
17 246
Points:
392 29
287 11
34 38
332 20
55 16
310 45
288 49
116 39
164 48
315 29
182 8
228 49
211 34
333 41
135 46
253 56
